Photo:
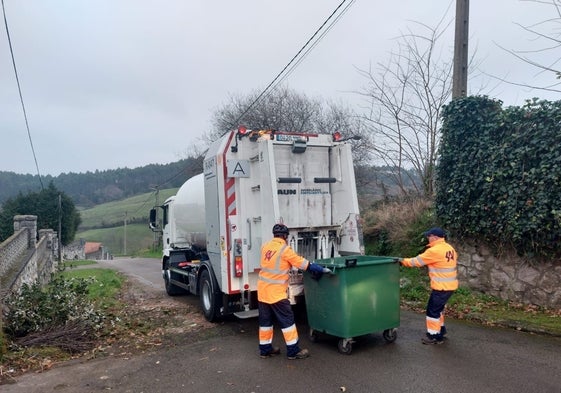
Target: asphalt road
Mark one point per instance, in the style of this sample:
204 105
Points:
474 359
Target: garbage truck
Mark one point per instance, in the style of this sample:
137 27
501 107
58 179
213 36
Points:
213 228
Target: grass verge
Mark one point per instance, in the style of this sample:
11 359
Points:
481 308
102 290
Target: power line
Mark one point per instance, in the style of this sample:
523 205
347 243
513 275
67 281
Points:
20 95
313 45
274 81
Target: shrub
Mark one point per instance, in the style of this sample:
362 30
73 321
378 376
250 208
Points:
396 227
64 301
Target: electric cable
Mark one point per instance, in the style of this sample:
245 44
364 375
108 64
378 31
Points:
145 202
273 82
305 54
20 95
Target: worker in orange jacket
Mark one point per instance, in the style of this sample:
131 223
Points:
277 258
441 260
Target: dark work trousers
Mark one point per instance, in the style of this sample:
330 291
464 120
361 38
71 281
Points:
435 308
282 312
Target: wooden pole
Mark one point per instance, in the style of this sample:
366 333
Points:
459 84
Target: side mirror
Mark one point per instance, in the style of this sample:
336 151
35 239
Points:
153 224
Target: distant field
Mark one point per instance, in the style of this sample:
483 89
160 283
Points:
108 219
139 237
110 214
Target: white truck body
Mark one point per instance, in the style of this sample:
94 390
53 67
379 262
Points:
252 180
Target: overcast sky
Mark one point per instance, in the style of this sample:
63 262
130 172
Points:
124 83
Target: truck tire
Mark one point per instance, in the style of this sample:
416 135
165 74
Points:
209 297
171 289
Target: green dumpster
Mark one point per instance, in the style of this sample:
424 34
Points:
360 297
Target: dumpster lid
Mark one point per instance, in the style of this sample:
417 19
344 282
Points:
351 261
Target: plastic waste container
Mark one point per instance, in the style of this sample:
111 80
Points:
359 297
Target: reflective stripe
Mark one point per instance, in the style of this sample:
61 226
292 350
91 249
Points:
443 279
265 335
271 281
442 270
441 260
443 275
433 325
274 271
277 263
417 262
304 265
290 335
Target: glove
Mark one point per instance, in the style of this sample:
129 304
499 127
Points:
327 270
315 268
316 271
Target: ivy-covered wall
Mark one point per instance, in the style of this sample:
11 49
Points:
498 191
499 174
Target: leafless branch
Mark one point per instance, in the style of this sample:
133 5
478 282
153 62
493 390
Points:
407 95
540 31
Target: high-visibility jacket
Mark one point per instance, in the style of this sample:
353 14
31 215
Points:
441 260
277 258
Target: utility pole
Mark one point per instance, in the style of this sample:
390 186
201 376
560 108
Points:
157 232
59 228
125 240
459 84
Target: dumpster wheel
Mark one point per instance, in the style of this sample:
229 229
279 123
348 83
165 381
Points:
313 335
390 335
345 346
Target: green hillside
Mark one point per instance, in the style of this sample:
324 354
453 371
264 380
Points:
139 238
105 223
94 188
112 214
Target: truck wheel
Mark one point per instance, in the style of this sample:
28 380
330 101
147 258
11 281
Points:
208 297
171 289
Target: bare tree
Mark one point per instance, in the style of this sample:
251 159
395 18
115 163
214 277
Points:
546 39
286 110
406 96
282 109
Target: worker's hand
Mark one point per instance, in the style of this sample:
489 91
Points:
327 270
316 271
399 260
315 268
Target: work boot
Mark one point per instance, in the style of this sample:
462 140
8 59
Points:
303 354
432 339
274 351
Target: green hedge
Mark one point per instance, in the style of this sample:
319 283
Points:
499 174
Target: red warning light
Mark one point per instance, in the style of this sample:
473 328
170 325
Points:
242 130
238 266
337 136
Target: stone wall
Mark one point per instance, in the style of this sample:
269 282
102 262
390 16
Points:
25 258
75 250
509 277
11 250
